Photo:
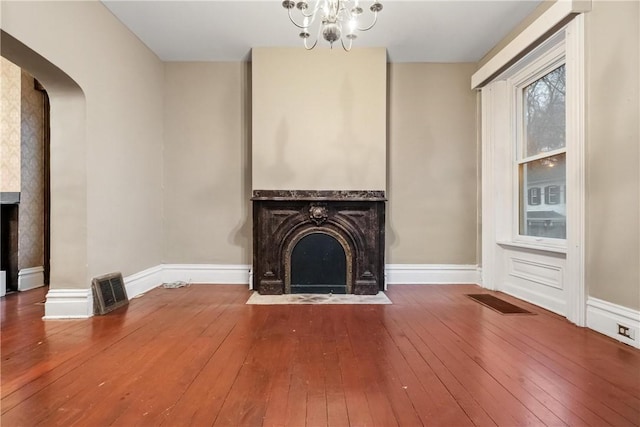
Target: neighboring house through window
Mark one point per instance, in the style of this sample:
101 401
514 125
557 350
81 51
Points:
534 196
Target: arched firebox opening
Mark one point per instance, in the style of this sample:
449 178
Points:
318 263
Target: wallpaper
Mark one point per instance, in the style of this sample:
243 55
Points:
9 126
31 213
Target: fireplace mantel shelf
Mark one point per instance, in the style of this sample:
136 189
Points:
320 195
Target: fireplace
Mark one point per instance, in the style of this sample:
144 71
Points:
318 241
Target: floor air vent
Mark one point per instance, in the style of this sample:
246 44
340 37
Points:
108 293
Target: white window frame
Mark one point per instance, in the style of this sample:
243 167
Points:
528 71
495 155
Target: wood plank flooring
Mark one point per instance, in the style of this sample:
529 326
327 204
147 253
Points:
198 356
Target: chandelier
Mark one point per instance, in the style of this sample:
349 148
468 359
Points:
338 19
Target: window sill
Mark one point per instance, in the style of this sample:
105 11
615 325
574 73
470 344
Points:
534 246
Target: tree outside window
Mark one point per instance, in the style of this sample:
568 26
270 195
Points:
542 156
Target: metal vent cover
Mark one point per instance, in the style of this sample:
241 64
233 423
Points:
109 293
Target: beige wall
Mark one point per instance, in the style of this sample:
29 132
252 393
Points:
106 91
207 163
432 210
9 126
432 213
613 152
319 119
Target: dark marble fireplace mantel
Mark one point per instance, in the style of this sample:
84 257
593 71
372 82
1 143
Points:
354 218
319 195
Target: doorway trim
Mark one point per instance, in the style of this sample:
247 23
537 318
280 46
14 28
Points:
68 176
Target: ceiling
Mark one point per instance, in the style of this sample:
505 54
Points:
412 31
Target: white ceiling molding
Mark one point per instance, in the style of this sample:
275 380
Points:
534 34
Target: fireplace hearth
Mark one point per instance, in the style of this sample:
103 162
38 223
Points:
318 241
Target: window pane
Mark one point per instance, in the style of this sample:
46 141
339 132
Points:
552 194
534 196
543 216
544 113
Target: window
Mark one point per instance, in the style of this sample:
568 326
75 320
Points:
552 195
534 196
541 162
540 235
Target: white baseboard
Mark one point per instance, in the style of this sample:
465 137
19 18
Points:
431 274
78 303
3 283
68 304
30 278
139 283
394 273
228 274
604 317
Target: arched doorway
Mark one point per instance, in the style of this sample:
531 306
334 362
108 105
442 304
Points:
68 185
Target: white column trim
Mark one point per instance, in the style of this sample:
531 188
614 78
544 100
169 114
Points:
493 111
30 278
576 202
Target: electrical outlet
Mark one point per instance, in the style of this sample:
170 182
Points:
625 331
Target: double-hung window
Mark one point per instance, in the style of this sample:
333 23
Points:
533 156
541 152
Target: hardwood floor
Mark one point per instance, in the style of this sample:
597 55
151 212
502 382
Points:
199 356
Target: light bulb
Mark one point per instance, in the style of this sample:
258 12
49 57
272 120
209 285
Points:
353 24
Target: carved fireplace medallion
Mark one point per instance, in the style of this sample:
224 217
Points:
281 218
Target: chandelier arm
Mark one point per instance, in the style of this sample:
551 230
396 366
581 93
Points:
294 22
309 48
375 19
343 45
313 14
305 40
